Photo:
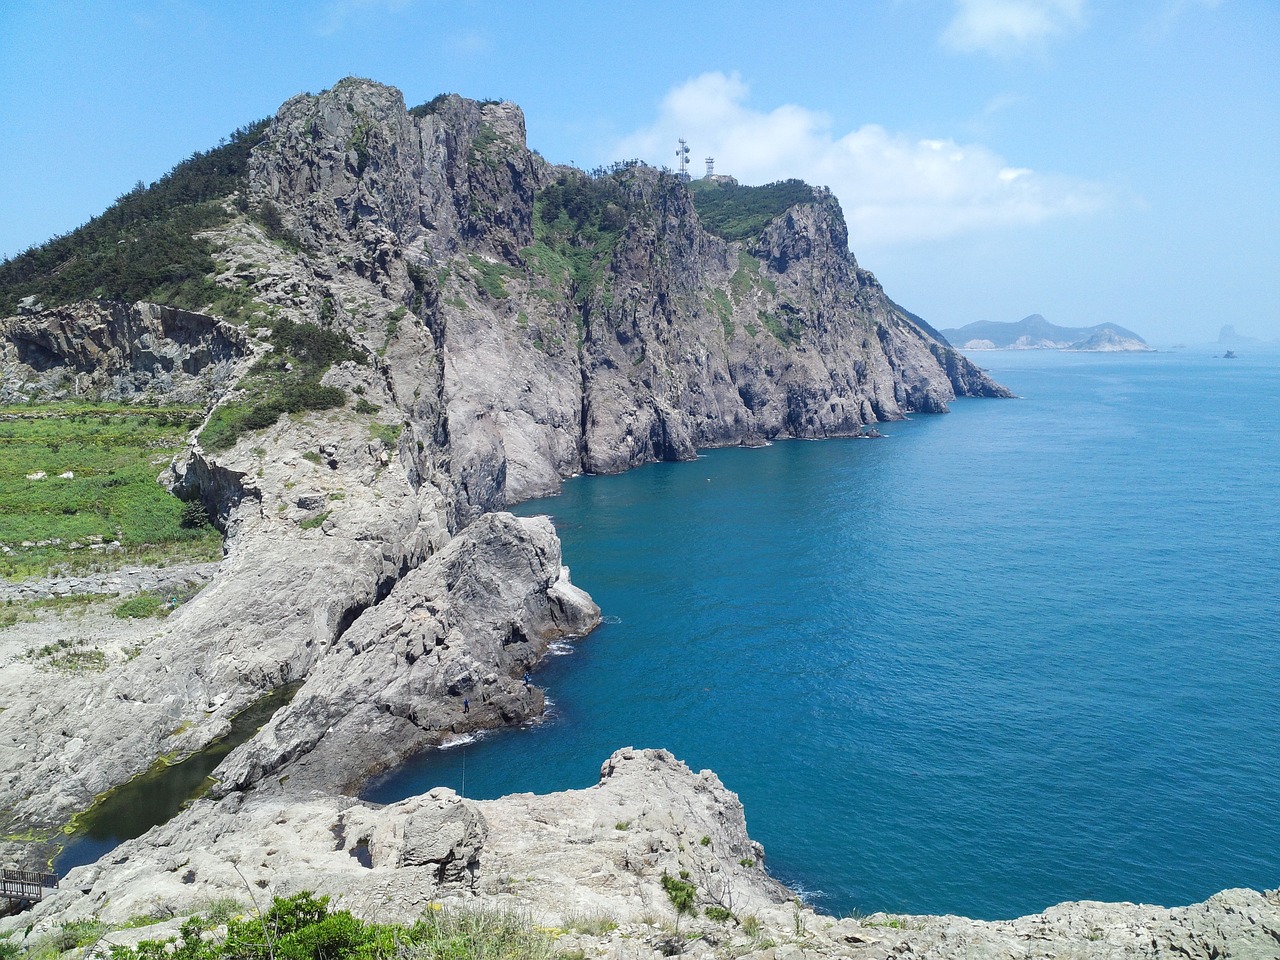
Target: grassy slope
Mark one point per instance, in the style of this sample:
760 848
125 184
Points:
115 453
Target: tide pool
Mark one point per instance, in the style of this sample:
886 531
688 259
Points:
1019 654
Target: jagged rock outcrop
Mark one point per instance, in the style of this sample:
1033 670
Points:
510 341
595 855
118 351
604 848
446 652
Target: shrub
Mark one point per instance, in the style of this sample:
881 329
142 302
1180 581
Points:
682 894
302 927
194 515
139 607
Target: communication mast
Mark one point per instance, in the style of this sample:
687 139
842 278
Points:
711 166
682 155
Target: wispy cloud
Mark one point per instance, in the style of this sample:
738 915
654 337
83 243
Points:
336 15
468 44
895 189
1010 28
1172 12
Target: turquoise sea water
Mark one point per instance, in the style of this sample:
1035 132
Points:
1024 653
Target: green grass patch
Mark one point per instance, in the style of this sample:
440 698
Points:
140 607
73 655
113 454
722 309
152 604
775 325
577 223
490 276
746 279
312 522
388 433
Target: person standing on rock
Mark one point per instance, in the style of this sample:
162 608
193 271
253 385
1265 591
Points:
466 705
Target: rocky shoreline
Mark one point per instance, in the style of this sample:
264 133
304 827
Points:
594 855
369 559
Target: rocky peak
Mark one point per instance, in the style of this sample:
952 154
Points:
807 232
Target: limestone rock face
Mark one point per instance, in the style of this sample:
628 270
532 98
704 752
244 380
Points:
442 833
551 854
118 352
598 853
684 340
445 653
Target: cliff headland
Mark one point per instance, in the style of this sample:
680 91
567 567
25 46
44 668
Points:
394 323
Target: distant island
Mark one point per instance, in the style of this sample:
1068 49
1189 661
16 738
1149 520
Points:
1228 337
1037 333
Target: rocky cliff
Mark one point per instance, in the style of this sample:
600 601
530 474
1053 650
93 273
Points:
505 323
508 323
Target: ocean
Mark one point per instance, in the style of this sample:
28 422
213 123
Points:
1022 653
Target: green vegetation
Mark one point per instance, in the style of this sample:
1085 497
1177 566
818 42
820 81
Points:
431 107
287 380
593 923
76 476
746 279
312 522
577 223
303 927
142 247
71 655
359 142
388 433
682 894
491 276
151 604
719 914
68 936
721 308
778 327
734 212
140 607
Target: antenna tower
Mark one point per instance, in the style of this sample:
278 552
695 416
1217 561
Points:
711 166
682 155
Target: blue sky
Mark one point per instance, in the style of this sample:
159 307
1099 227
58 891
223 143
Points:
1088 161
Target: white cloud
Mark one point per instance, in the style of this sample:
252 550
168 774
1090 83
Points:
337 14
1010 27
895 189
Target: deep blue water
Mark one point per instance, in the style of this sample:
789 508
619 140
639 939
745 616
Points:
1023 653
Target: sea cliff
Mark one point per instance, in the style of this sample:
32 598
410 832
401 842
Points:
424 321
